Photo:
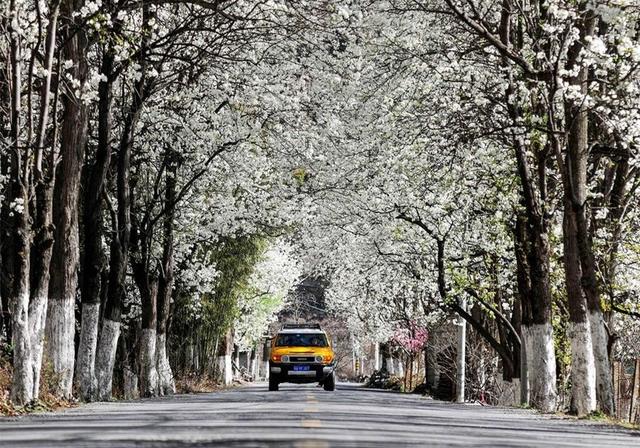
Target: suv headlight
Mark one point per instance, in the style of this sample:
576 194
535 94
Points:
319 358
285 358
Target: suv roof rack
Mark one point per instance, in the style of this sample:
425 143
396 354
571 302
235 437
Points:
306 326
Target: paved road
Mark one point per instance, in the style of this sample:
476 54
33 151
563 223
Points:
301 416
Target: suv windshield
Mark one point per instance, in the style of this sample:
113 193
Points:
301 340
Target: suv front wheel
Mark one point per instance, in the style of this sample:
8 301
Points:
329 382
273 384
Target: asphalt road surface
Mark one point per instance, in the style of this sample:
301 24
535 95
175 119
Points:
302 416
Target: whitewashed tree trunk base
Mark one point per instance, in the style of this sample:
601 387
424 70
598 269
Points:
61 324
265 370
224 369
253 368
22 385
37 321
85 364
583 372
604 380
166 383
148 371
106 357
541 362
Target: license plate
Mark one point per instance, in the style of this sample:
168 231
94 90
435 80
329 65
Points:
300 368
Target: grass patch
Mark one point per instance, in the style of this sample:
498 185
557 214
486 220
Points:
599 416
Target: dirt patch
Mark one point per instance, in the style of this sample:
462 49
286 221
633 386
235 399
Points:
192 384
380 379
48 400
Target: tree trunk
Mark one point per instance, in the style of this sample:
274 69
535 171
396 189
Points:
583 387
537 355
41 257
3 305
85 375
66 249
118 261
224 369
266 350
376 356
599 336
106 356
535 297
22 386
576 172
20 236
399 366
165 375
387 359
92 261
588 335
119 252
148 287
236 361
619 199
42 249
524 373
126 363
166 383
254 364
6 262
148 371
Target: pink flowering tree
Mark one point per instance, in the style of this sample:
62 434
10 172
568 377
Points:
412 339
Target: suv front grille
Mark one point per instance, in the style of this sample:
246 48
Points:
302 359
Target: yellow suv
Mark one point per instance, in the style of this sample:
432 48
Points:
302 353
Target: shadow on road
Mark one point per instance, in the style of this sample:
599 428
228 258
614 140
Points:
301 416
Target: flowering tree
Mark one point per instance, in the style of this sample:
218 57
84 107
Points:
191 159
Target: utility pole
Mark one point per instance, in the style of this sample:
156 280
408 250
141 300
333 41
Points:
461 354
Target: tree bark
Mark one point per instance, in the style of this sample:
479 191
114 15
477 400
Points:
119 249
224 369
166 383
66 249
92 261
253 363
578 257
266 351
148 288
536 299
523 302
6 263
40 275
583 390
118 260
536 331
599 336
20 233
